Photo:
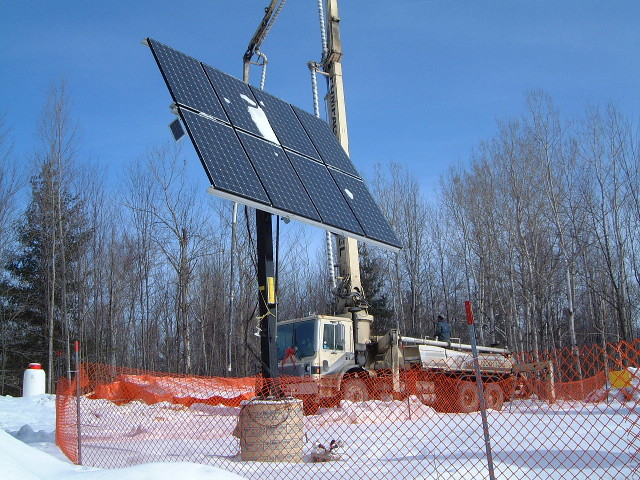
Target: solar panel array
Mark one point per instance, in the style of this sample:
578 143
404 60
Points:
261 151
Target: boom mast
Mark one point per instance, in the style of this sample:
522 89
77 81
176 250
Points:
348 259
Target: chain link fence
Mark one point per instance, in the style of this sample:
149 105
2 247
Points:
579 419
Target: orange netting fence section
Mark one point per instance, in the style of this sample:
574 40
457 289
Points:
571 413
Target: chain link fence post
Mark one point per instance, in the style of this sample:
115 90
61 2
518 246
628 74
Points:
483 403
78 395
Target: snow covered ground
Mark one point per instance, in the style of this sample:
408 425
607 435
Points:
28 450
530 439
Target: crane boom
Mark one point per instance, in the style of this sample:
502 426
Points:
348 259
270 14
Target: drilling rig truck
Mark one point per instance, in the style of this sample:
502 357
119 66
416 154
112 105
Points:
326 359
335 358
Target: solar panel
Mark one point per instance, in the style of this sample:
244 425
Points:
261 151
326 142
186 80
223 158
285 124
279 178
365 209
176 129
326 196
240 105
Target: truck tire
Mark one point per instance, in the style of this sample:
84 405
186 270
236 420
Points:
525 389
494 396
426 392
310 404
355 390
468 399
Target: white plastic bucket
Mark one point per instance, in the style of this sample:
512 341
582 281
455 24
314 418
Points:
33 381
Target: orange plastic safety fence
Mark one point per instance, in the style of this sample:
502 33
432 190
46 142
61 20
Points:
67 419
579 419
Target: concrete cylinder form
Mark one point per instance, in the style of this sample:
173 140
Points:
271 430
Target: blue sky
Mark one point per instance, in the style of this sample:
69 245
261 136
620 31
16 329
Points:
425 80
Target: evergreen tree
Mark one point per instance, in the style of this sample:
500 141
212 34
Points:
43 280
52 236
373 281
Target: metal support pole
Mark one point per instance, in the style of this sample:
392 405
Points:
332 263
78 395
266 300
483 404
354 319
323 30
232 284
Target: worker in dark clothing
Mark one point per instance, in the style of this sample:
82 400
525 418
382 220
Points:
443 330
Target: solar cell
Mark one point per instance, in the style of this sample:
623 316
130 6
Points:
285 123
240 104
325 142
278 177
186 80
365 209
326 196
223 157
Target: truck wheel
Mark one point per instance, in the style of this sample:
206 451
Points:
525 389
387 396
426 392
468 398
355 390
494 396
310 404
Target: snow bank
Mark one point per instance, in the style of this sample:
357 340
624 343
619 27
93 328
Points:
26 434
38 411
31 420
22 462
371 412
629 394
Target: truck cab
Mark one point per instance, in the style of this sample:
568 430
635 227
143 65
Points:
314 345
320 361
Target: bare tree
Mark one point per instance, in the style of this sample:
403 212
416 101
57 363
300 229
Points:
180 235
601 149
56 158
405 208
11 182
